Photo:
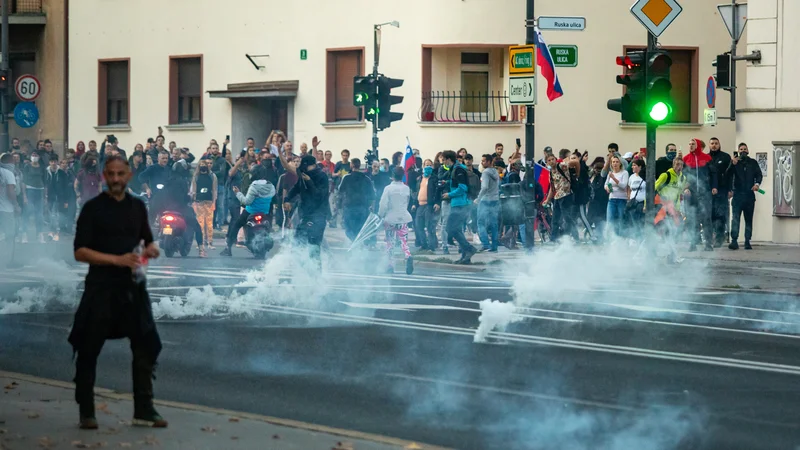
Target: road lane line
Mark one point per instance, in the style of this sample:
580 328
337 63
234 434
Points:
439 307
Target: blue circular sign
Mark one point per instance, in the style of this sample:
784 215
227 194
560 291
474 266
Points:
711 92
26 114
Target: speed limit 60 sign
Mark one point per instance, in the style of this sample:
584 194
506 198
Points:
27 88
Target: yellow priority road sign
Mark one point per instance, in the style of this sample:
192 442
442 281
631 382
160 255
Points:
522 60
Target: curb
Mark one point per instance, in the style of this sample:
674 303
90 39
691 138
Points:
114 395
440 265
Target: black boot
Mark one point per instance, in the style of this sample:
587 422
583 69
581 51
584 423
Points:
733 245
747 245
87 417
144 413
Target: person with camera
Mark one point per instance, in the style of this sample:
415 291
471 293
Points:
744 177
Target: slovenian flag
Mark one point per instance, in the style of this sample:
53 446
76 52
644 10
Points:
547 68
542 176
409 161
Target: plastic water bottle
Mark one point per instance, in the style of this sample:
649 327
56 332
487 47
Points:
140 273
761 191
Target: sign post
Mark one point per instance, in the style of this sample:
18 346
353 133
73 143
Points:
522 71
27 88
564 55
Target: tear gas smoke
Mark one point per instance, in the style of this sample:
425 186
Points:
495 316
58 291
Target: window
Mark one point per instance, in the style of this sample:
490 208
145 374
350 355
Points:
684 77
474 82
342 66
186 90
113 92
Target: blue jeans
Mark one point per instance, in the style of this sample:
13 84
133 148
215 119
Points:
35 208
615 214
219 212
488 223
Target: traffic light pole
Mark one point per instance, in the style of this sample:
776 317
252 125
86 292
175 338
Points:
376 57
652 45
530 39
4 142
734 43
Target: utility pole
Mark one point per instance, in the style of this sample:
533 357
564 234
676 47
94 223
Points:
4 139
734 43
650 160
376 57
530 39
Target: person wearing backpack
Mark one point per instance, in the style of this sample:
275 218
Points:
458 194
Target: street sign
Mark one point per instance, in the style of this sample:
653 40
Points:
303 54
561 23
522 90
564 55
710 117
26 114
711 92
521 59
27 88
656 15
726 12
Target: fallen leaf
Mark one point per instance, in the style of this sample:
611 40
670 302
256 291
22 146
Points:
33 415
151 440
275 436
125 444
209 429
233 419
46 442
234 438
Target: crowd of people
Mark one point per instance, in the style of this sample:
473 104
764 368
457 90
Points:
449 201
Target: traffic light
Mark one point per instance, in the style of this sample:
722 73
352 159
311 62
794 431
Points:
723 75
5 80
659 106
386 100
633 78
365 95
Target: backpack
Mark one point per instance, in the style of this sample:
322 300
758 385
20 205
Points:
473 184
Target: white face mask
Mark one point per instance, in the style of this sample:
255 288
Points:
35 159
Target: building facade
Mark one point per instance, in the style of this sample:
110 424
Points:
768 121
37 46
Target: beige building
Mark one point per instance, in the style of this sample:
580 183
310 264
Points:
768 121
37 46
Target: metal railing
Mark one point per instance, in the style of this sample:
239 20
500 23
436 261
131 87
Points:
467 107
26 6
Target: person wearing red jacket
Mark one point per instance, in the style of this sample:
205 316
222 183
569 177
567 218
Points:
702 181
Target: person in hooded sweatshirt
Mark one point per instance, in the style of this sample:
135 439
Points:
720 161
488 202
394 212
176 198
258 200
313 190
702 182
356 194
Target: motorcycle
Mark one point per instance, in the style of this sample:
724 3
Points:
257 235
173 234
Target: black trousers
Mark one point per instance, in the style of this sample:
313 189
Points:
425 228
564 218
354 218
742 207
234 213
311 231
719 214
455 227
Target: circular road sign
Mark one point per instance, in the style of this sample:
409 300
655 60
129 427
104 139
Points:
27 88
26 114
711 92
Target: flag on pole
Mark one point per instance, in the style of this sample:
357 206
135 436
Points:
542 176
409 161
547 68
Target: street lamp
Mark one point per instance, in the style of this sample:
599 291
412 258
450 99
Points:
376 57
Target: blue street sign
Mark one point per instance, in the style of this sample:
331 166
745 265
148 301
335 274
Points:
711 92
26 114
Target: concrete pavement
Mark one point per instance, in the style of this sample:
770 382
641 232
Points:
41 413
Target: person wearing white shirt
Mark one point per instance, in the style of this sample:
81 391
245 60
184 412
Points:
637 192
8 202
393 210
617 188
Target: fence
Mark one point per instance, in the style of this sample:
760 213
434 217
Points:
467 107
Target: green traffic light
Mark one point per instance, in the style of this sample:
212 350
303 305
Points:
660 111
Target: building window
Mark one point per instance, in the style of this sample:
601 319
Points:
684 77
342 66
186 90
113 92
474 82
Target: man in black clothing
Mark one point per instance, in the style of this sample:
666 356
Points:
154 179
356 195
380 179
312 188
664 163
115 303
744 177
720 161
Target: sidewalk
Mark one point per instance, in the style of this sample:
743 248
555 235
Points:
38 413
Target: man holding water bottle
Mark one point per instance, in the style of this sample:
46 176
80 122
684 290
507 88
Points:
744 176
113 236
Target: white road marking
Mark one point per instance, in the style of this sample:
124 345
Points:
413 307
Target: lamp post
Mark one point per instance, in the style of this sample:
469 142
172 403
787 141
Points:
376 58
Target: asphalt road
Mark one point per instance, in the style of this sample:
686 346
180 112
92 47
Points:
615 365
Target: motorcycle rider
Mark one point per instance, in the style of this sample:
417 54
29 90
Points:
258 200
176 198
156 177
312 188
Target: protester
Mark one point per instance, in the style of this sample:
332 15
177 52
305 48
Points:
258 200
314 209
34 175
458 186
488 202
637 192
720 162
744 176
204 201
702 182
427 205
394 212
356 195
670 186
9 207
617 188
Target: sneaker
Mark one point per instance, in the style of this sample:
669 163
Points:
733 245
409 265
210 246
240 244
203 253
747 245
148 417
88 423
467 259
226 252
492 250
476 240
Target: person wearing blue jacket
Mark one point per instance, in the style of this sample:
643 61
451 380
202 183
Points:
459 206
258 200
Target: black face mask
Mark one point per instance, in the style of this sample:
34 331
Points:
743 155
204 170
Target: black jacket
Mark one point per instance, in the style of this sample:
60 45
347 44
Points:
720 161
742 177
313 194
434 193
356 191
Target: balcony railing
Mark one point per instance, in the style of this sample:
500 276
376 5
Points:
26 6
467 107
